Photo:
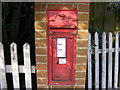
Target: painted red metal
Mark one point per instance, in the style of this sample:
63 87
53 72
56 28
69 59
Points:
62 19
61 74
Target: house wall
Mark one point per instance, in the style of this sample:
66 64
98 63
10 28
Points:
41 43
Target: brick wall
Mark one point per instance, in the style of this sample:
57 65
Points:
40 42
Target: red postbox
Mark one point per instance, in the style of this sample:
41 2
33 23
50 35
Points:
61 46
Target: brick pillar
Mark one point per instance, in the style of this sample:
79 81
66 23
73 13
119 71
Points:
40 42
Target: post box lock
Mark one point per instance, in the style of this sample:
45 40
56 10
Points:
57 63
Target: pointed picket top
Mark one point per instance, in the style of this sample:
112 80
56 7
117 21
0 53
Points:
110 34
96 33
13 46
26 45
103 34
13 43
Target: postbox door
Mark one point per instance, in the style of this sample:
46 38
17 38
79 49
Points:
62 62
62 66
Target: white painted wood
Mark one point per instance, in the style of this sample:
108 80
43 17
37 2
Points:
20 69
103 85
2 68
89 63
107 50
96 60
116 66
14 63
27 63
110 58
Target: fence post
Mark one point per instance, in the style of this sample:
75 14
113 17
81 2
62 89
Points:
2 68
110 62
89 63
116 61
27 64
14 62
103 85
96 61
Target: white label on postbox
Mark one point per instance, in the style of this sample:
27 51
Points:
62 60
61 47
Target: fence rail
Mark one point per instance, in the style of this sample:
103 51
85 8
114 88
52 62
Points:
14 68
101 74
106 70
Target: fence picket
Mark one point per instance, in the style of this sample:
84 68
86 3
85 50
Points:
103 85
116 66
89 63
27 63
14 63
96 60
3 83
110 62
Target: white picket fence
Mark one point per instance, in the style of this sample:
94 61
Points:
109 65
14 68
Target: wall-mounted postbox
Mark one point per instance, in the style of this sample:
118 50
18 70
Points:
61 46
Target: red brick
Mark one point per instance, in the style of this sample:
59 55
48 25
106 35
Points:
82 26
42 81
40 16
40 25
40 7
80 82
40 51
41 42
82 52
81 43
80 75
81 59
42 87
40 34
81 67
83 17
82 35
60 6
41 59
41 67
80 87
41 74
82 7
